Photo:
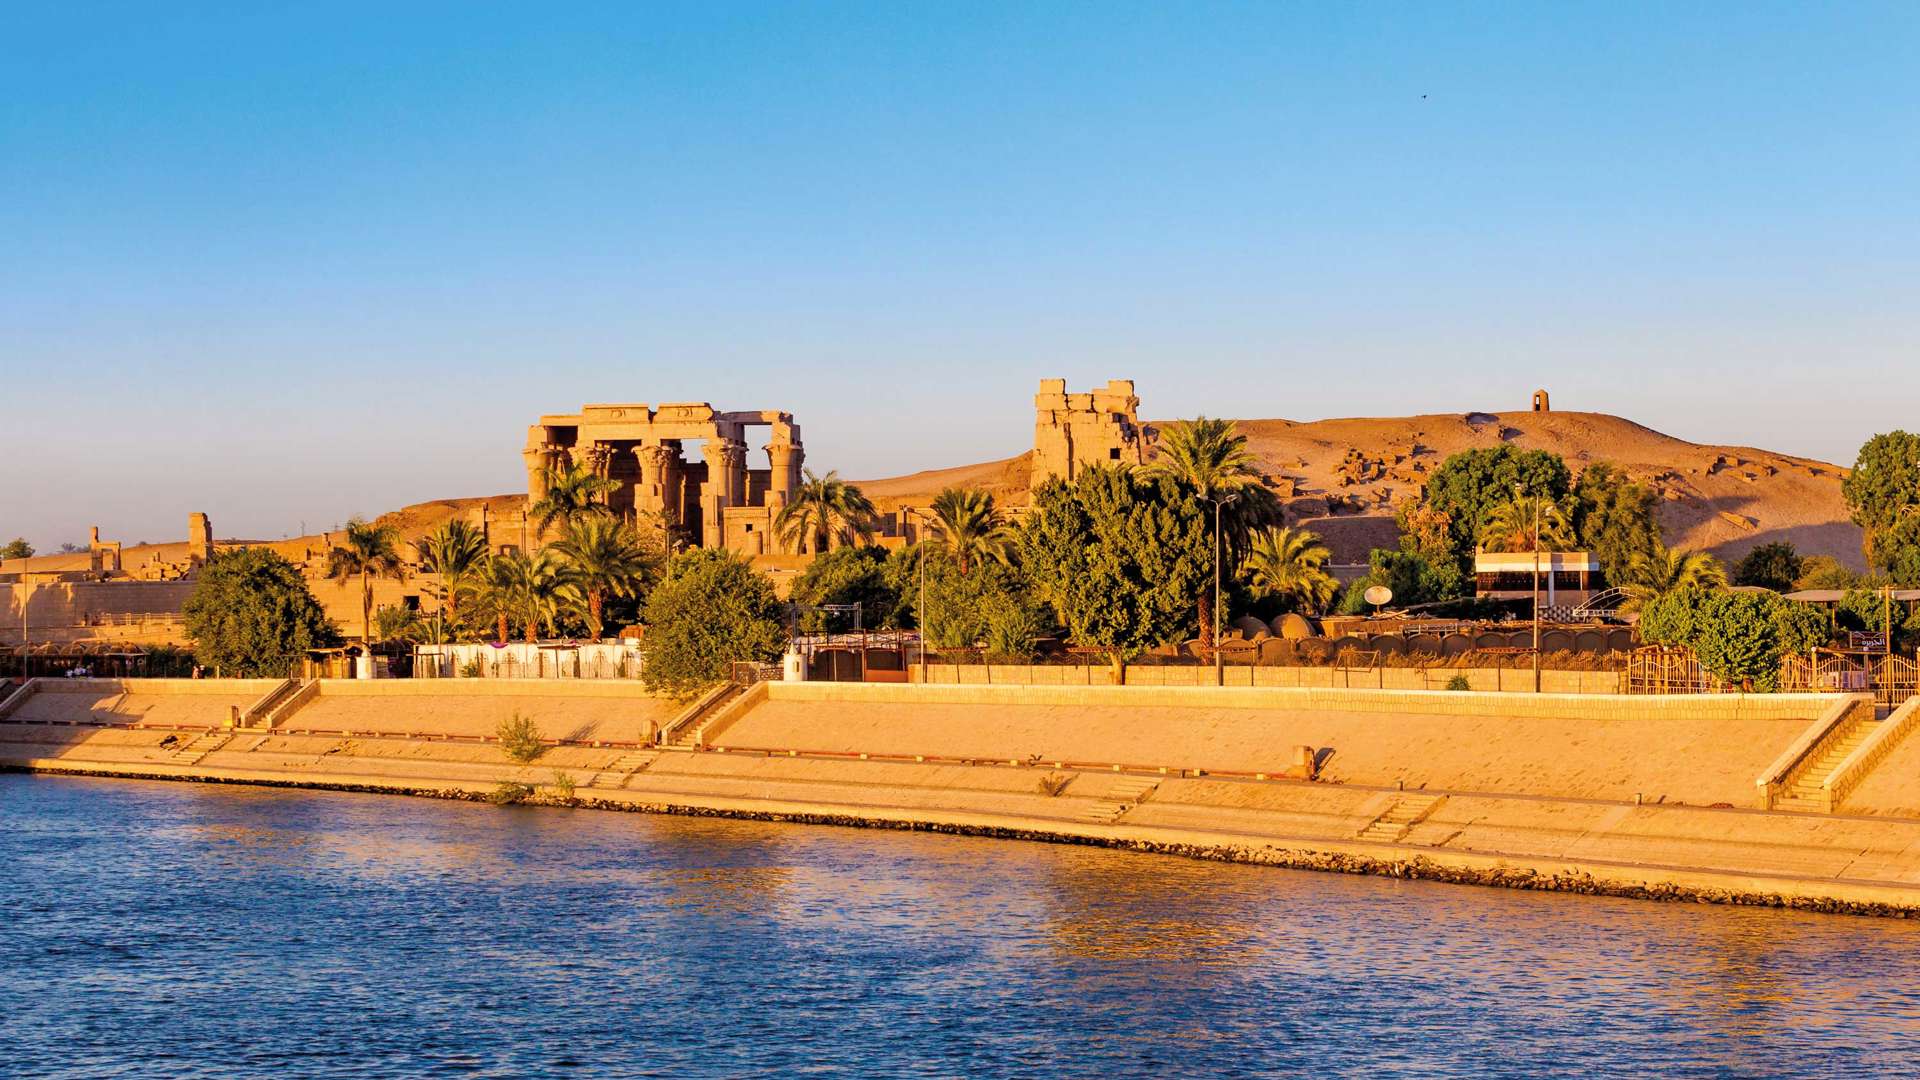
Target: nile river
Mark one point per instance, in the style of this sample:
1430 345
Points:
155 929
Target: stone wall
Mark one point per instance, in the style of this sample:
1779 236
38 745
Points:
1074 430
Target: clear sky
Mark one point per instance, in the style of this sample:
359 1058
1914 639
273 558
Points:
288 262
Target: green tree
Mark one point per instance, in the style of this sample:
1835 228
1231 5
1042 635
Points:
1411 576
970 526
457 551
848 575
1291 564
1665 570
1895 551
1824 572
1614 518
1773 566
1119 557
368 550
608 557
1739 637
573 494
1209 460
532 589
392 622
1467 485
17 548
820 511
713 609
250 615
1884 483
1515 525
994 604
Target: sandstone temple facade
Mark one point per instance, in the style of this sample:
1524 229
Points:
717 499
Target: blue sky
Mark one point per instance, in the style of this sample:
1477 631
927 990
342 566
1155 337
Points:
284 263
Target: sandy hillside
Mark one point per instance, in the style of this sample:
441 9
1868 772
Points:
1345 475
1342 478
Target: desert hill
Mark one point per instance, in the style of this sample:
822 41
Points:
1341 477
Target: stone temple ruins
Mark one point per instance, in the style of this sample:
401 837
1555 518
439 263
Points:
718 498
1072 431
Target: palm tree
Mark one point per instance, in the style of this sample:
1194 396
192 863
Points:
1664 570
824 509
970 526
1209 459
608 558
457 551
1510 526
1291 564
535 588
369 549
572 494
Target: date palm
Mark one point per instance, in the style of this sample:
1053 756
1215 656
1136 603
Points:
1210 460
1511 525
534 588
1291 564
824 509
572 494
971 528
1664 570
608 558
367 549
457 551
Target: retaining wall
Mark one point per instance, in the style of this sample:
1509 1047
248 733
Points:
1494 679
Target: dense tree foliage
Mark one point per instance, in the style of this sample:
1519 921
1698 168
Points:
1209 461
1289 565
573 494
970 527
1468 485
456 550
17 548
609 558
1665 570
1773 566
1119 556
822 511
1739 637
251 615
1895 551
712 610
1413 578
1615 519
992 605
1824 572
1526 523
1884 483
848 575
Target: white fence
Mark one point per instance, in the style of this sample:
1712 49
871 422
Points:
519 660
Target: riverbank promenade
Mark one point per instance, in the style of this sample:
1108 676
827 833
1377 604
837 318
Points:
1798 800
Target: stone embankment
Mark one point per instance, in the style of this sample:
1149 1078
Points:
1664 798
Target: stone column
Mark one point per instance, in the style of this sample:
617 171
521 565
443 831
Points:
713 494
651 495
734 453
783 461
537 459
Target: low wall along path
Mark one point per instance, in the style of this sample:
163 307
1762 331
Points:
1649 796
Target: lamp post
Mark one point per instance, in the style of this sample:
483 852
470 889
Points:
1520 493
1219 665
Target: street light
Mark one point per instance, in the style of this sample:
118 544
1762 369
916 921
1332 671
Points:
921 615
1219 666
1520 493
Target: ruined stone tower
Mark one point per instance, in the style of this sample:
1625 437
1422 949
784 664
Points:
1074 430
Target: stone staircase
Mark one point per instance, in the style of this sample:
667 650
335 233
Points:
617 774
1122 797
198 747
1402 814
1804 793
688 731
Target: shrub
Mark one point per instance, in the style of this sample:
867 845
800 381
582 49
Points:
563 783
713 609
509 793
1459 682
471 669
1052 784
520 738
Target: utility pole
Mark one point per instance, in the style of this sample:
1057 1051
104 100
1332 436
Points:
1520 493
1219 664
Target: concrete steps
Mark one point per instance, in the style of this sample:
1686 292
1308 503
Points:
617 774
688 734
1122 797
1402 814
198 747
1804 793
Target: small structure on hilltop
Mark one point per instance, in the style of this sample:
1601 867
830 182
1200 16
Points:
1074 430
719 499
1540 402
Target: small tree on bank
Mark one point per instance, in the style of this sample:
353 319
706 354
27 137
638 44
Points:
712 610
251 615
1739 637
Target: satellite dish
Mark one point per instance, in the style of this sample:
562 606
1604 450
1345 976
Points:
1378 595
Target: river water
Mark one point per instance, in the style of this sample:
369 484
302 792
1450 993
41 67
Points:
155 929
